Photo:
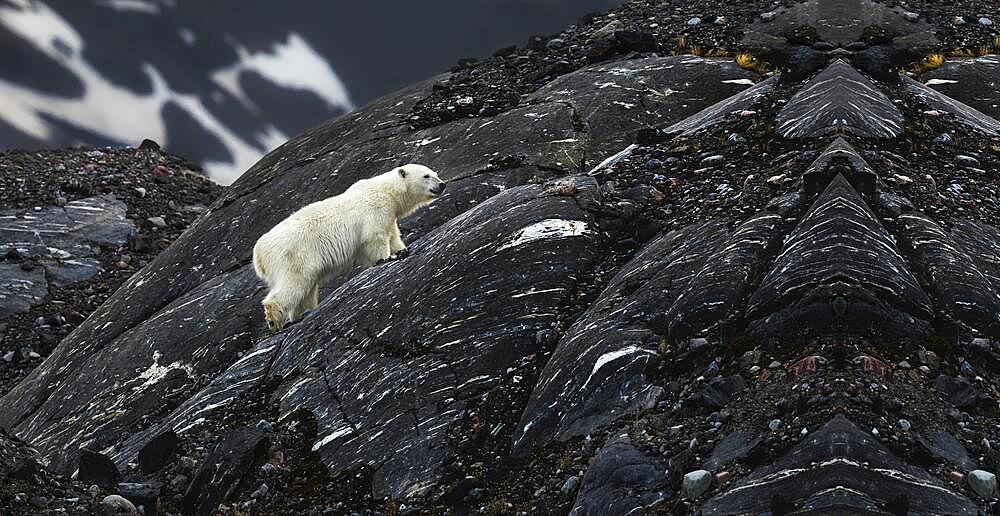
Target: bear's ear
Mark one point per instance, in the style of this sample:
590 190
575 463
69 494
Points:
402 172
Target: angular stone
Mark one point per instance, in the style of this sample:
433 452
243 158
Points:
716 113
146 495
734 447
964 395
939 445
839 100
157 452
97 468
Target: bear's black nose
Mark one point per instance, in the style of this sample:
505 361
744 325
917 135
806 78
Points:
438 189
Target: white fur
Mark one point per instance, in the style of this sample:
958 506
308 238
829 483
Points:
354 229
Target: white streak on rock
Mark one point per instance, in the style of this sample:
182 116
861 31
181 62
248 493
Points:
548 228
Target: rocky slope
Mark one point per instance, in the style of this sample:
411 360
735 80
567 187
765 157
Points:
666 283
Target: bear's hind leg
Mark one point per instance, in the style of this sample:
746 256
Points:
283 303
310 301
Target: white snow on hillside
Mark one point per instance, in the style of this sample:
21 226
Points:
122 115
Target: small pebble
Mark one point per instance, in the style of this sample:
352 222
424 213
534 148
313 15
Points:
911 16
904 425
983 483
696 483
774 425
985 21
158 222
713 161
944 139
570 484
694 21
768 16
115 504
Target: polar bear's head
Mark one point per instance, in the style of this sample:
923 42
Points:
421 182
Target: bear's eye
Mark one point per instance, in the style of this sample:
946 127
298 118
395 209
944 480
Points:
426 176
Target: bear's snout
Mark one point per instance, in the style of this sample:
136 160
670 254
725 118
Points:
437 190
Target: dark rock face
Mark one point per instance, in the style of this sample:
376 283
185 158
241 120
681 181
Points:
582 303
968 81
63 241
239 451
839 269
838 469
620 480
839 100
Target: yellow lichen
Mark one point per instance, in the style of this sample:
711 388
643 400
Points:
747 61
928 63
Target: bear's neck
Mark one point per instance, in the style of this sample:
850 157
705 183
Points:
404 202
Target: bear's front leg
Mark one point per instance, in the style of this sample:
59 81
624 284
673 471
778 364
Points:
375 250
395 241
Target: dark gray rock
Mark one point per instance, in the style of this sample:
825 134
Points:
951 273
97 468
20 289
942 446
238 453
720 391
734 447
146 495
963 394
716 113
969 81
964 114
839 238
716 296
838 469
157 452
839 100
67 239
615 100
597 373
621 479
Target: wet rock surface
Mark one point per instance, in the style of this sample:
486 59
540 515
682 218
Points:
667 283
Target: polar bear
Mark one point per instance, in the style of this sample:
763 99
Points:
354 229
